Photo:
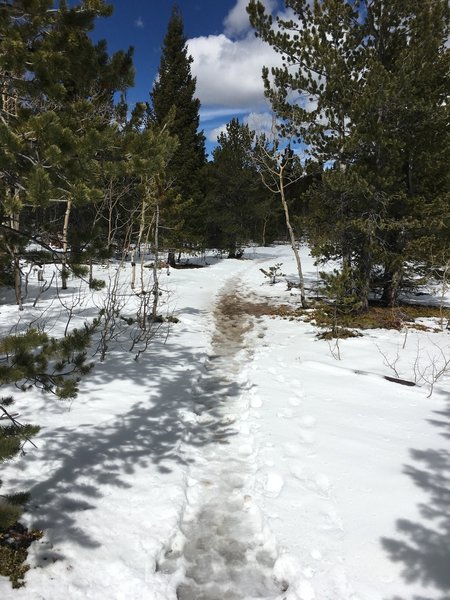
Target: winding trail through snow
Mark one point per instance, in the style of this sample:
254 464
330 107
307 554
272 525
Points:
223 550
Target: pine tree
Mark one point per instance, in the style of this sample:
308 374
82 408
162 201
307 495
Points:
235 211
369 100
174 105
313 102
401 132
58 135
35 360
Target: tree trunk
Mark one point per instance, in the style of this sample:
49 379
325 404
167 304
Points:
137 245
65 244
171 259
133 268
293 242
393 278
155 266
364 271
265 221
15 224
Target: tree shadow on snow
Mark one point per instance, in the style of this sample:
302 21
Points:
92 460
424 548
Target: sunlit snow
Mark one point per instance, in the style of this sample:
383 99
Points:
238 458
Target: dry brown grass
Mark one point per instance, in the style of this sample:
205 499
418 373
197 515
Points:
377 317
323 315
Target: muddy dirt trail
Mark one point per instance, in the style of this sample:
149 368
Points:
224 550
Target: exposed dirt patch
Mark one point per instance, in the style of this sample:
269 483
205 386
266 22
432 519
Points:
233 316
14 544
233 306
377 317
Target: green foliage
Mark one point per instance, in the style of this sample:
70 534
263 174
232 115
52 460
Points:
74 167
237 203
56 117
33 359
175 106
12 439
342 287
54 365
96 284
273 272
364 85
39 186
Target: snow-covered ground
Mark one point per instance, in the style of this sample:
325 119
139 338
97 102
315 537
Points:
239 459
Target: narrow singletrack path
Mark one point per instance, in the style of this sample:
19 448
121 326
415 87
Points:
224 550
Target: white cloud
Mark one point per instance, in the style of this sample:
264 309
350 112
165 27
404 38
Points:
237 22
228 68
213 134
257 122
229 72
211 114
139 23
260 122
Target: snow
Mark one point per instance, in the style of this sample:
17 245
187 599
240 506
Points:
238 458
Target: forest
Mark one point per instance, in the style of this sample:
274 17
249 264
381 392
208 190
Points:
355 167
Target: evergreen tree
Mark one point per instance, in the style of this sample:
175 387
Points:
56 127
401 136
57 135
33 359
235 208
174 105
368 99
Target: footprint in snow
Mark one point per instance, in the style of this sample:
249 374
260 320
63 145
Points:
332 521
308 421
245 450
271 481
287 413
223 555
306 437
294 402
316 555
223 551
317 483
291 450
256 402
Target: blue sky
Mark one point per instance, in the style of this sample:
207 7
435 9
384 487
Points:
227 57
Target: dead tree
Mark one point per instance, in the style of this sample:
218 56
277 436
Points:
279 168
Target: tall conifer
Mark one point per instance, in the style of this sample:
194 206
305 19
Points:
234 189
175 105
365 85
55 118
56 134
